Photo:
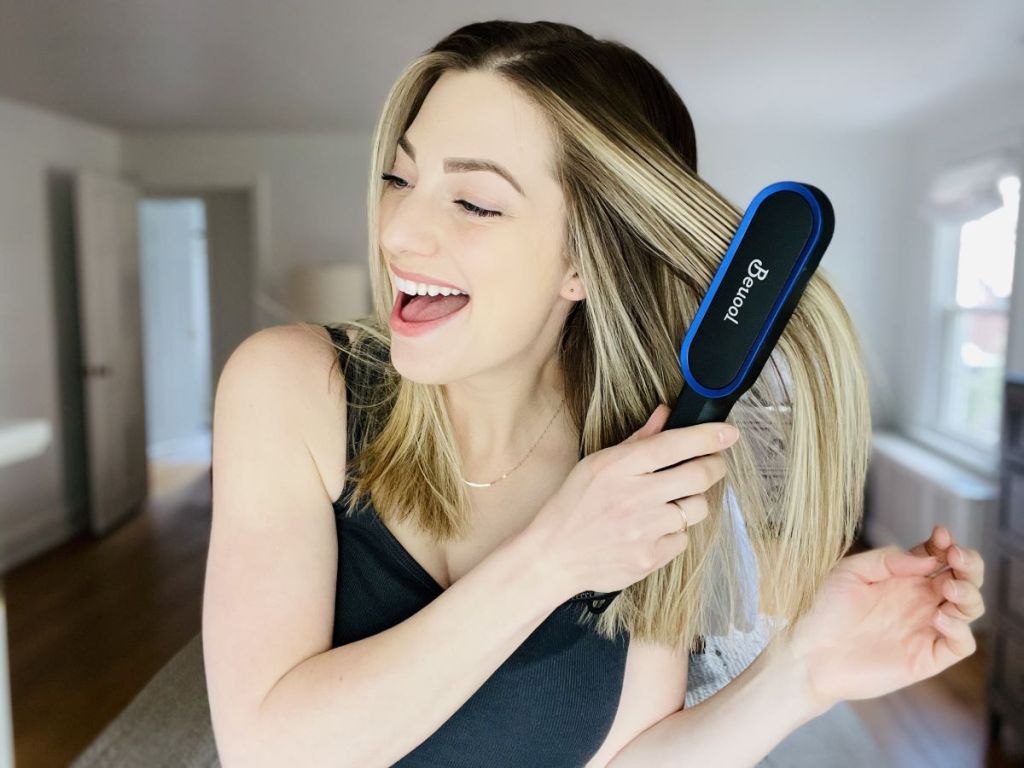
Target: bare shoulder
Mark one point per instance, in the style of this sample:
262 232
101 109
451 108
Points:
290 347
298 362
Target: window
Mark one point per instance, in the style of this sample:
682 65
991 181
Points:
976 241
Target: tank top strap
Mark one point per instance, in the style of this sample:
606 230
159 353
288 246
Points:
339 337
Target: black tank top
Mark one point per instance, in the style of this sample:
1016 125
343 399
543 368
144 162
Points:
550 704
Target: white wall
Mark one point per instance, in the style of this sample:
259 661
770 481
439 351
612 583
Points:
230 249
316 190
863 175
42 498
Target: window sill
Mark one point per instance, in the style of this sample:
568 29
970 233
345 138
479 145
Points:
985 463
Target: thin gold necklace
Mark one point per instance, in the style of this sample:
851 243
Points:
488 485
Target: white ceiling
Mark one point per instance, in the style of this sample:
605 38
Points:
326 65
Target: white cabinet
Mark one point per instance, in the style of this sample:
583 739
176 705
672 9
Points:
20 439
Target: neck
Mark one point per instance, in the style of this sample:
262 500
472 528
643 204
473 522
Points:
498 420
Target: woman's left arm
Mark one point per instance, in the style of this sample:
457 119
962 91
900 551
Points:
874 628
736 726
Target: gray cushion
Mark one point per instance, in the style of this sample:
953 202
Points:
168 722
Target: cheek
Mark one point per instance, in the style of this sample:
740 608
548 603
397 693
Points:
500 272
384 209
513 302
515 276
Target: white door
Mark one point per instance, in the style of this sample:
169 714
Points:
110 322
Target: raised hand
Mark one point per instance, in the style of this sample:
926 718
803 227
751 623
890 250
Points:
887 618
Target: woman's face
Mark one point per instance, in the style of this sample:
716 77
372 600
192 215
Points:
511 264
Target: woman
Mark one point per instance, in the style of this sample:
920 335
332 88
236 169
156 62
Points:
393 555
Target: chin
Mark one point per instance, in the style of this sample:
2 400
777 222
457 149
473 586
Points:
416 366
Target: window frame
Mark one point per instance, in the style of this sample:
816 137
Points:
943 309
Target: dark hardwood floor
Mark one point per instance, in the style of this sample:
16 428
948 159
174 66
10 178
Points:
93 620
90 622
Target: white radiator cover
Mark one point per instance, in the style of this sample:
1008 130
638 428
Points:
911 489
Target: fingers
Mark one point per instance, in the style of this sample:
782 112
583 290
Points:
694 508
885 562
959 590
955 640
936 544
964 601
692 477
668 548
967 564
673 446
653 424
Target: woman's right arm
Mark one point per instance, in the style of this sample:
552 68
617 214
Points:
278 693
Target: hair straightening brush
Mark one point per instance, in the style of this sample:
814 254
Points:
776 249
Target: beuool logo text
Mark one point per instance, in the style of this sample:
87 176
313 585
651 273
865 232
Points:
754 271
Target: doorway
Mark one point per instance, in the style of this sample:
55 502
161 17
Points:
196 264
176 328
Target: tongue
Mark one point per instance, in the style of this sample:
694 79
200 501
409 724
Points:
423 308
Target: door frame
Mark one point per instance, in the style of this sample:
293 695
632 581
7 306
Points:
258 189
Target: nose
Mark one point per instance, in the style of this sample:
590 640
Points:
407 224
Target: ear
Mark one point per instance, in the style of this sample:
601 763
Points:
572 288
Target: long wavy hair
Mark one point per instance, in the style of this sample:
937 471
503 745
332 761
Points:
646 235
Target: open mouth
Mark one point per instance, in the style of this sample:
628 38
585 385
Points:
423 308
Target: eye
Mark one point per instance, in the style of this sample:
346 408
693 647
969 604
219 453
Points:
390 180
474 210
477 211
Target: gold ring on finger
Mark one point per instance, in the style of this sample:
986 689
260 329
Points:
686 523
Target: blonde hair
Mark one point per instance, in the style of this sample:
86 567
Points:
646 235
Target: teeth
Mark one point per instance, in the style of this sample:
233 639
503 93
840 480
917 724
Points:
424 289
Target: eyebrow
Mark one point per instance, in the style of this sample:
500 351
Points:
465 164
